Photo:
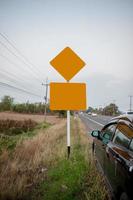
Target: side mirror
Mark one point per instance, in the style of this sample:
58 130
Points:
95 133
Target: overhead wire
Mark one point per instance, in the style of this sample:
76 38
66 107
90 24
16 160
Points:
20 53
18 96
27 63
12 77
19 59
11 62
14 80
14 64
19 89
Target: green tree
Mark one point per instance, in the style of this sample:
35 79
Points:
111 109
6 103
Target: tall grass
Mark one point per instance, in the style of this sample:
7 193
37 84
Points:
39 168
13 132
13 127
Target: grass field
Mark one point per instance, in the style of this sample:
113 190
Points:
37 118
38 168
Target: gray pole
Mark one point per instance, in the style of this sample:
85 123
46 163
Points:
68 132
114 107
45 97
130 103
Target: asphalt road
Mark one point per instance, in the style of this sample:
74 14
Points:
94 122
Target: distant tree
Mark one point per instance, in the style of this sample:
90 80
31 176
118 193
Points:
111 109
6 103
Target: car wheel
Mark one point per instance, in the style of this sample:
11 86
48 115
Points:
124 196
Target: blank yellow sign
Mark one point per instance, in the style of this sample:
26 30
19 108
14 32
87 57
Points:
67 63
67 96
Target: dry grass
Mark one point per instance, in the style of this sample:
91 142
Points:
34 157
29 160
37 118
9 126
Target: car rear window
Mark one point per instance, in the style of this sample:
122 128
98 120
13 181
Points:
126 129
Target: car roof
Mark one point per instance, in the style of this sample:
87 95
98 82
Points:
126 117
122 120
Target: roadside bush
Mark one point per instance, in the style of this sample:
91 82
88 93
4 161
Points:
14 127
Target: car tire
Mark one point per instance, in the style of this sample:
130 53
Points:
124 196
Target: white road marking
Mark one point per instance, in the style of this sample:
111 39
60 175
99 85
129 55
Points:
94 121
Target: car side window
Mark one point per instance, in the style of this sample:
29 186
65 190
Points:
108 133
121 137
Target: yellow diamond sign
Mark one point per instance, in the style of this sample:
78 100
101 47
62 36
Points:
67 63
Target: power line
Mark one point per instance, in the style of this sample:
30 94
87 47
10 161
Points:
19 52
19 89
19 96
14 75
23 60
18 58
14 64
11 78
10 61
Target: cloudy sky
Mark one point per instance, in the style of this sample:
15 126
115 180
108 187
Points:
99 31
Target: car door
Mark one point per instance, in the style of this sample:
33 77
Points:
118 157
101 143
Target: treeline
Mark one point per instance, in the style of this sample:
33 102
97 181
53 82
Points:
110 110
7 104
30 108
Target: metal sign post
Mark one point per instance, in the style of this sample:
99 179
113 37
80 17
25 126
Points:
68 132
67 96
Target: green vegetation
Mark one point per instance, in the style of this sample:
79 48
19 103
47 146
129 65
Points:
12 131
111 110
75 178
65 180
7 104
14 127
38 167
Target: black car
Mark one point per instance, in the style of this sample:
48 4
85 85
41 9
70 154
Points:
113 150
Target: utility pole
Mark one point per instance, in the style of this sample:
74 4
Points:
130 103
114 107
45 97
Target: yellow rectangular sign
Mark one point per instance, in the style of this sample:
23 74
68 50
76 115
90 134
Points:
67 96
